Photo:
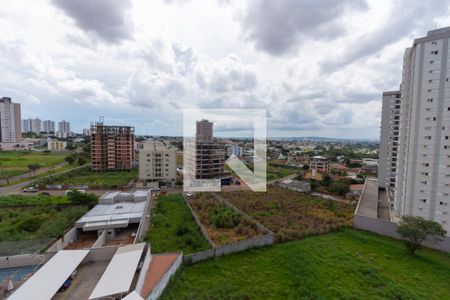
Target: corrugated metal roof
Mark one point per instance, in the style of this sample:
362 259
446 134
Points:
46 282
120 272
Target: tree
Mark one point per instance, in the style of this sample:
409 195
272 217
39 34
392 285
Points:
327 180
415 230
340 187
305 167
81 160
79 198
33 168
70 159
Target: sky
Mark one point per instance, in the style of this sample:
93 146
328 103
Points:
318 67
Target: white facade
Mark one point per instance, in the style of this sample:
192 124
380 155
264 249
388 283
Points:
64 127
423 161
157 163
10 125
48 126
390 126
36 125
235 149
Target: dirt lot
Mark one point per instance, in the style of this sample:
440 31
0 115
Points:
292 215
224 226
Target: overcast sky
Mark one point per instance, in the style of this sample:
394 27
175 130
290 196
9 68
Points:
318 66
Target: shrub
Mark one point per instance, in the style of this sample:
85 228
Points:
224 217
182 229
415 230
79 198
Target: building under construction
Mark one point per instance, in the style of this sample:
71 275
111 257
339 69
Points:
112 147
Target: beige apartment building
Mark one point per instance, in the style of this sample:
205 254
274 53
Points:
157 163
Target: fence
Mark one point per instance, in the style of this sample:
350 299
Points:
144 224
264 240
17 261
267 239
9 248
161 285
388 228
199 224
68 238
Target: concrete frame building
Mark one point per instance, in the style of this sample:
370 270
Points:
157 162
112 147
422 185
390 128
209 155
10 121
320 163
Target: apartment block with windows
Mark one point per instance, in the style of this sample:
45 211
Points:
10 121
389 140
320 163
112 147
157 162
422 181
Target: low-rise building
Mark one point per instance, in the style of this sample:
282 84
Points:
157 162
56 145
320 163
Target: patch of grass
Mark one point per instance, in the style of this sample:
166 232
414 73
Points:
349 264
13 163
32 200
173 228
292 215
276 172
37 222
84 176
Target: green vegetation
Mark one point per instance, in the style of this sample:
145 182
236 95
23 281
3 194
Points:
277 172
173 228
78 198
12 200
292 215
348 264
84 176
14 163
30 223
224 225
415 230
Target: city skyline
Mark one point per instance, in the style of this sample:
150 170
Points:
134 67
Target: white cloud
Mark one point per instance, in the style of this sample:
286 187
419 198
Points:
318 67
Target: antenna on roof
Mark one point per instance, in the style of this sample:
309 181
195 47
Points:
101 119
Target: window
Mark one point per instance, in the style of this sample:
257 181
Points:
431 61
430 80
430 99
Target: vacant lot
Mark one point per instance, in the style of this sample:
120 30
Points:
13 163
84 176
11 200
276 172
223 224
37 222
173 228
349 264
292 215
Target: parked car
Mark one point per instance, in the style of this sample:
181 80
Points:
31 189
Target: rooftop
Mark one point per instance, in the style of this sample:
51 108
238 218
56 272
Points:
115 210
